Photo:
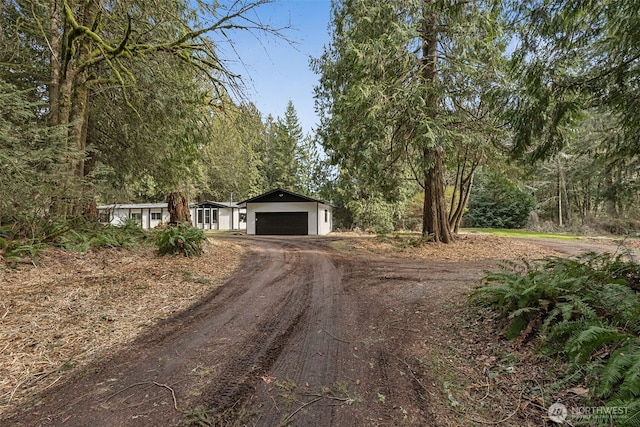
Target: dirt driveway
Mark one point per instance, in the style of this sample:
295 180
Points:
310 332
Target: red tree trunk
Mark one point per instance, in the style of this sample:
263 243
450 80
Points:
178 206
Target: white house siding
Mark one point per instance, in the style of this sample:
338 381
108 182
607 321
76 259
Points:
240 219
209 220
325 219
225 218
119 214
310 207
219 219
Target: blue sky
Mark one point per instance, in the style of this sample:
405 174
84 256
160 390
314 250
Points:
274 71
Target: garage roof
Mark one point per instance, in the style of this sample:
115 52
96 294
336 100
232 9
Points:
280 195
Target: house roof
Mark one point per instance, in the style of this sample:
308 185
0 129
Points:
280 195
135 206
164 205
211 204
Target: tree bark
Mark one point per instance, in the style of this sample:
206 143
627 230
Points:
69 89
54 61
465 190
435 221
178 206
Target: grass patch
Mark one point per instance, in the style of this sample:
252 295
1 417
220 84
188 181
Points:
503 232
340 246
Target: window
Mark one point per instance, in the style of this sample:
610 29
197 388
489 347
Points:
200 215
326 215
156 216
136 217
243 217
214 215
207 216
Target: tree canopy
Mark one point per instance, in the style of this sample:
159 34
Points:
129 101
394 90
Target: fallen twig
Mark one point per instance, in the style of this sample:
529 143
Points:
515 411
291 415
413 374
324 396
404 329
173 393
336 338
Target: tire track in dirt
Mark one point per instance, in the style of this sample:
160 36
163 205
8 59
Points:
302 335
310 360
217 347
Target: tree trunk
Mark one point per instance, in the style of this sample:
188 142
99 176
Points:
610 198
435 221
178 206
465 190
54 63
69 91
90 210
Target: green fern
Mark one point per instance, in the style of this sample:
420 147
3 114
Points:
621 376
584 343
183 239
588 315
632 412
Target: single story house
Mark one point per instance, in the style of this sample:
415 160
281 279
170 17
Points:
282 212
205 215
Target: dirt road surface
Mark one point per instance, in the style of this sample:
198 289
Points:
305 334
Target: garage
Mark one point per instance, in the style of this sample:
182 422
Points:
286 213
282 223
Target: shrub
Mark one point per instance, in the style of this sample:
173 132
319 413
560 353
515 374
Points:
181 239
373 214
91 235
76 234
496 202
581 310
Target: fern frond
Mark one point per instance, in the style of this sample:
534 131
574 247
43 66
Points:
583 344
617 367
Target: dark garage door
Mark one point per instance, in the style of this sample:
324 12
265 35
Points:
282 223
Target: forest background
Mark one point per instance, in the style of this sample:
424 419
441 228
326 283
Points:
434 114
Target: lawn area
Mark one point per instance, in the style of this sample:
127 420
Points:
503 232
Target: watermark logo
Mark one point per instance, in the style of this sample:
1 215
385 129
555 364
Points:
559 413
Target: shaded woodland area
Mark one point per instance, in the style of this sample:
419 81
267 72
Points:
433 115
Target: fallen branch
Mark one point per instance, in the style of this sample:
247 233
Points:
515 411
324 396
405 329
291 415
336 338
173 393
412 374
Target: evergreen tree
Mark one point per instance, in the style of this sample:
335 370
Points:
73 52
386 92
32 155
281 152
572 57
